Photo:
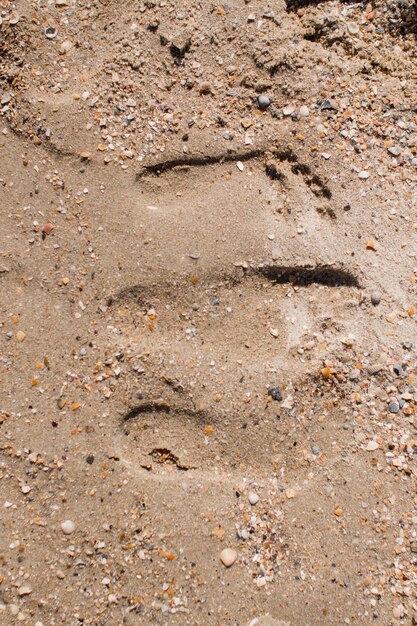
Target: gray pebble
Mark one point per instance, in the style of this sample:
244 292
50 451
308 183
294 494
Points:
315 450
394 407
264 101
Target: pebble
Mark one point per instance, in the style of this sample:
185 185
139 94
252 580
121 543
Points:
326 105
228 556
24 591
353 28
253 498
364 174
394 407
375 298
14 19
315 450
289 109
68 527
304 111
275 393
51 32
65 47
372 445
395 150
6 98
20 336
267 620
263 101
398 370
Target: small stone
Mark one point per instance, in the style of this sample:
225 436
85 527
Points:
14 19
364 174
47 229
26 489
228 556
326 105
180 45
240 166
375 298
275 393
253 498
395 150
274 332
288 403
304 111
66 47
263 101
289 109
61 402
290 493
372 445
393 407
24 591
315 450
353 28
20 336
267 620
205 89
398 370
51 32
68 527
5 99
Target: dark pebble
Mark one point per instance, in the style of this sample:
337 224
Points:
90 459
275 393
326 105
